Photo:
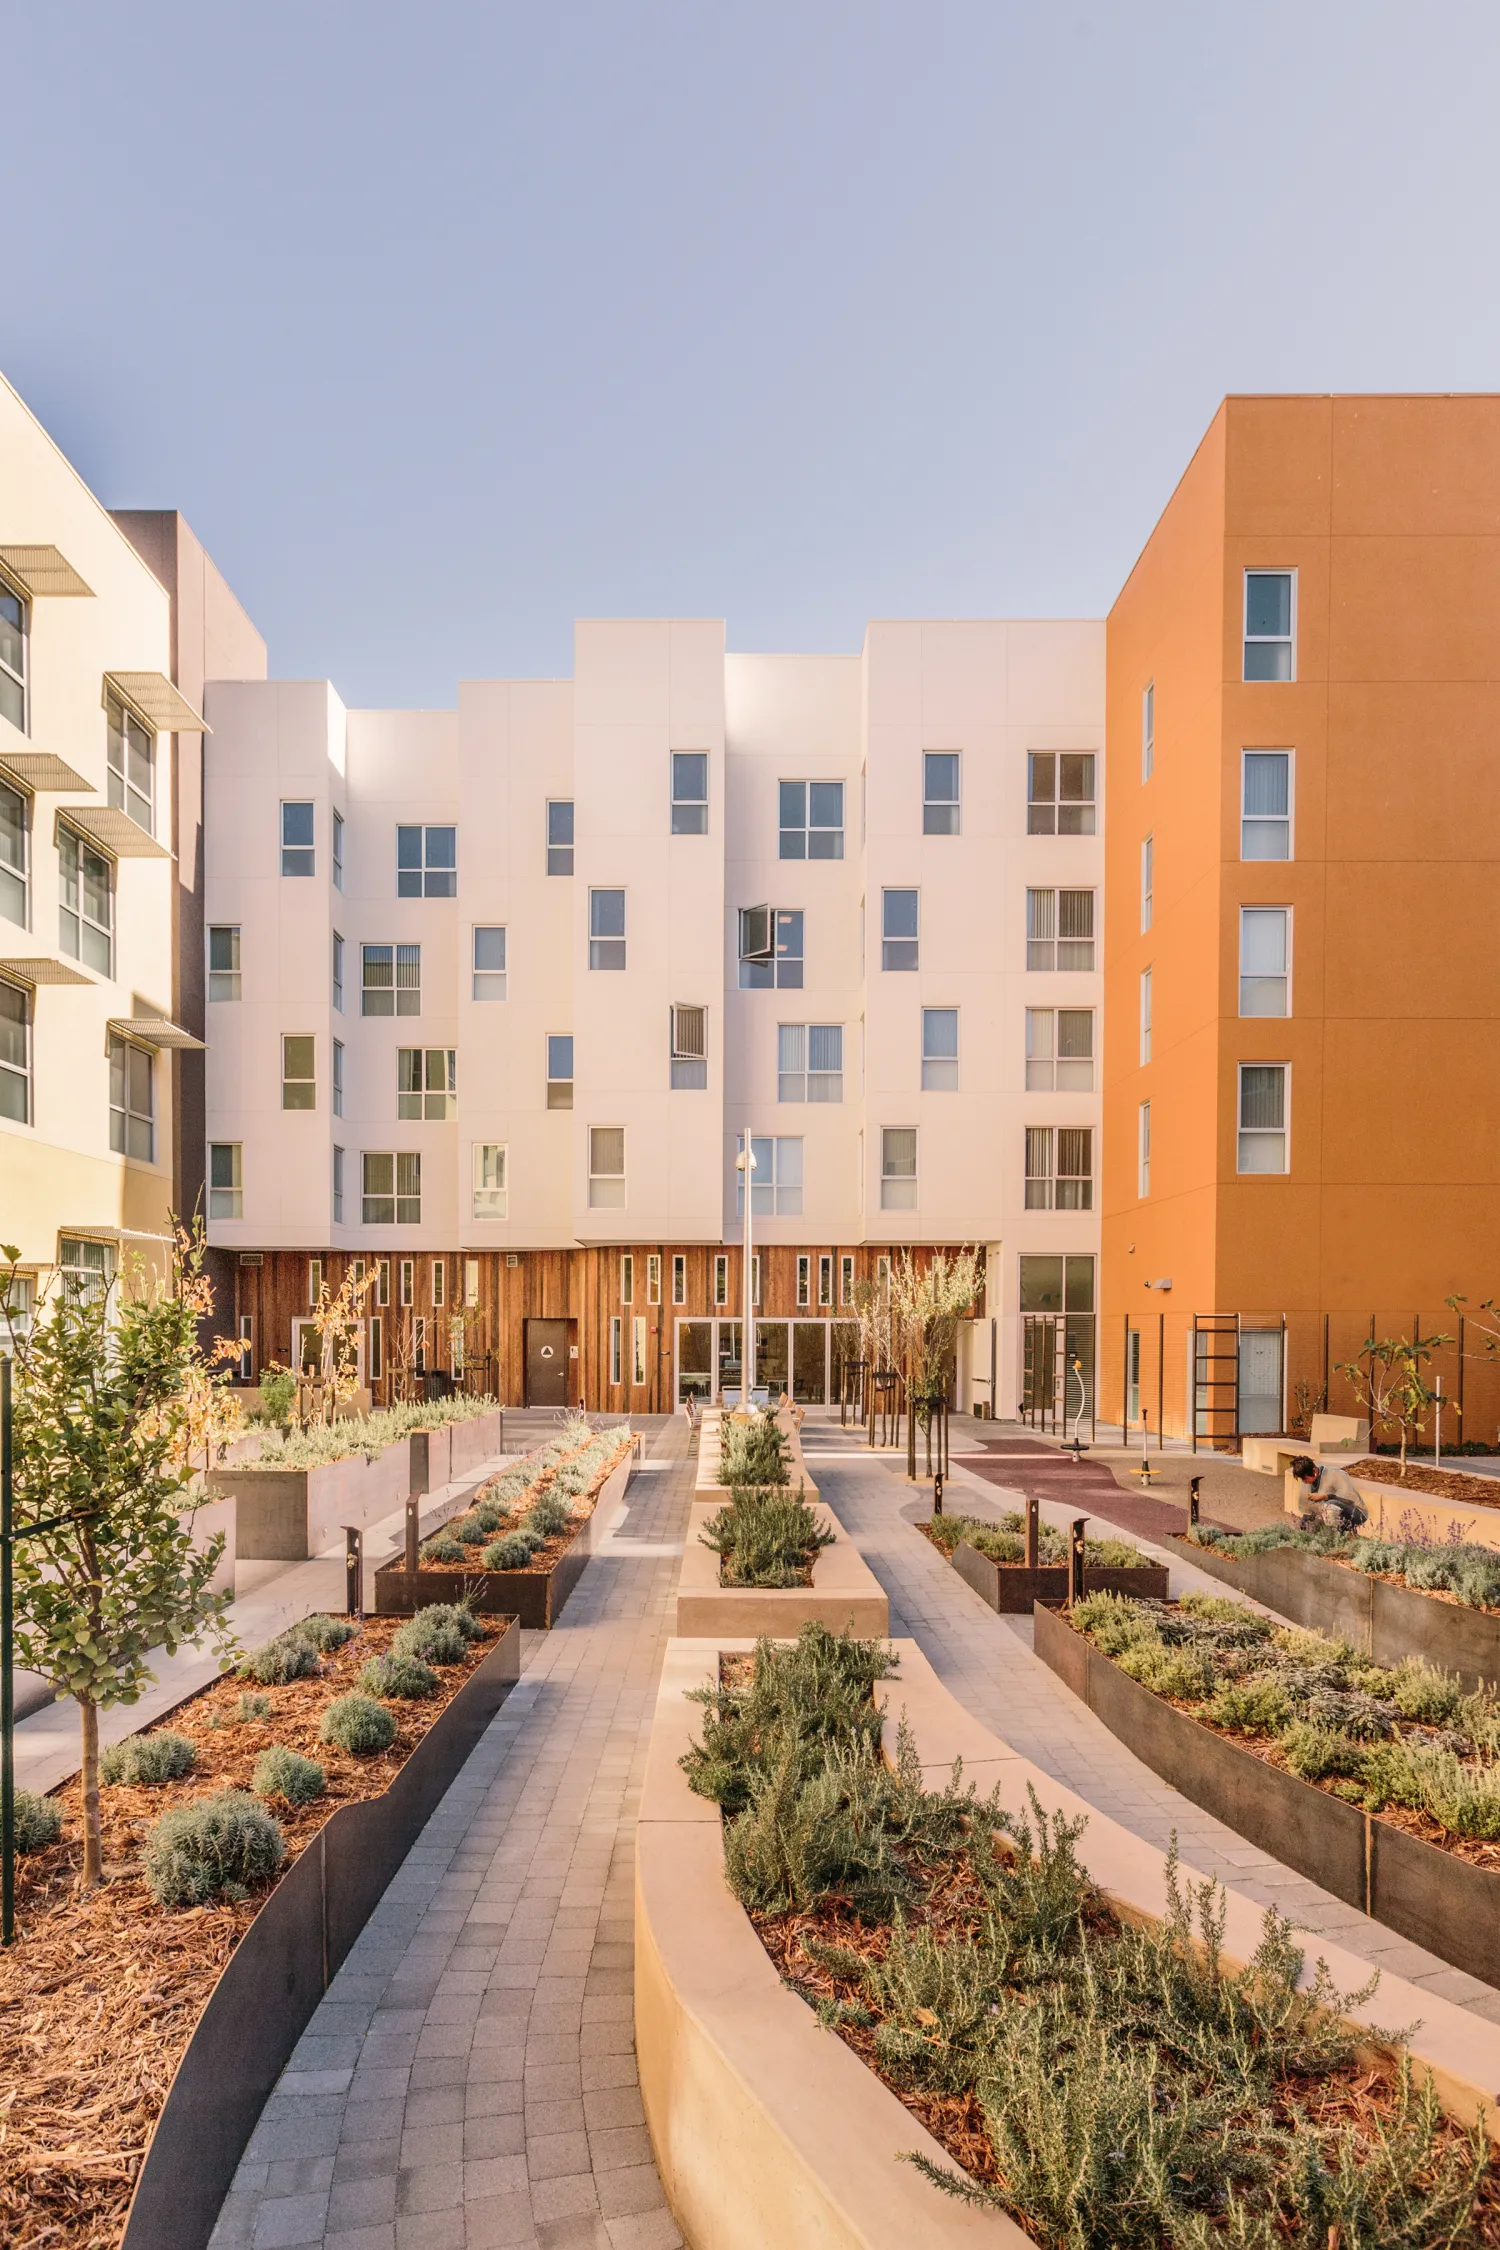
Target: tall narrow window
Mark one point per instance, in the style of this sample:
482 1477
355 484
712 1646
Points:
559 836
771 949
132 1102
490 1194
15 617
338 1078
298 1074
811 819
1148 879
1061 801
940 798
1143 1149
1263 1117
560 1070
426 863
226 1180
804 1281
825 1280
377 1348
297 854
627 1278
132 766
224 962
679 1280
689 1046
15 1054
86 915
427 1083
898 1168
721 1279
898 929
940 1050
489 961
638 1350
616 1325
314 1282
1148 730
407 1281
1145 1016
689 792
1265 960
1266 804
471 1282
606 1167
755 1279
338 972
338 851
653 1278
606 929
15 856
846 1280
391 980
1270 624
338 1185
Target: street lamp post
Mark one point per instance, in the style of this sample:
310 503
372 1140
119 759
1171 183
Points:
745 1164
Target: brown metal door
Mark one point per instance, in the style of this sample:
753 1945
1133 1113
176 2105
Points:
546 1363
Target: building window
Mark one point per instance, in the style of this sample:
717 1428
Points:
811 819
391 1193
224 962
689 792
1061 798
390 980
132 1102
721 1280
679 1280
132 766
606 929
653 1278
1145 1016
298 1073
616 1328
338 972
406 1283
471 1281
898 929
383 1282
559 836
1059 1050
491 1195
804 1281
1148 879
489 962
638 1350
1266 804
771 949
14 620
1263 1117
825 1281
1265 960
809 1062
627 1279
314 1282
338 1078
1143 1149
778 1178
1148 730
940 799
419 1345
1059 1168
755 1278
689 1047
377 1348
898 1168
86 918
87 1268
426 863
338 1185
559 1070
427 1083
606 1167
1270 624
1059 929
846 1280
940 1050
15 1054
15 889
226 1180
297 854
338 851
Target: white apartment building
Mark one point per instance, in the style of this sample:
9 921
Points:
494 993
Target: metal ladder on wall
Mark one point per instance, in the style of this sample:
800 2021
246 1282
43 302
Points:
1216 1394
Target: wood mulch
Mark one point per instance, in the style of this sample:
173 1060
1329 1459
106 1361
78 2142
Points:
100 1993
546 1558
1422 1476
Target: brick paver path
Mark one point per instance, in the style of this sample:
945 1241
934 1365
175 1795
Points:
469 2080
987 1662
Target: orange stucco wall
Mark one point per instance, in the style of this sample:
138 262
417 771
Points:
1389 511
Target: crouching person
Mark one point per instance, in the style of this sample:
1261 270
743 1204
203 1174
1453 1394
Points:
1331 1496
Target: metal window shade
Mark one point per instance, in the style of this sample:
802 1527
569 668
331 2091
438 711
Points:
155 1031
153 698
39 969
689 1034
42 573
34 770
115 832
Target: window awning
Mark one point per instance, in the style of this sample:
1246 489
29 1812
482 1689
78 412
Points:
38 769
42 969
41 572
115 832
153 696
155 1031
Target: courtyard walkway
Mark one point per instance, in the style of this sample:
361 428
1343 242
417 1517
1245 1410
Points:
469 2080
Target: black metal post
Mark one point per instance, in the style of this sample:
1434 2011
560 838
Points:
7 1674
937 1493
1033 1532
354 1567
1195 1485
1075 1560
413 1510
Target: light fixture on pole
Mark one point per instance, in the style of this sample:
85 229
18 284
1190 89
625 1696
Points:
744 1164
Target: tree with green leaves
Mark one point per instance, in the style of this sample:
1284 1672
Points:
111 1392
1391 1386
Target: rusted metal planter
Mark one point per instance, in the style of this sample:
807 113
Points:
1013 1589
534 1597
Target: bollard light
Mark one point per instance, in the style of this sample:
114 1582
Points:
1194 1486
937 1493
354 1572
1033 1532
1075 1560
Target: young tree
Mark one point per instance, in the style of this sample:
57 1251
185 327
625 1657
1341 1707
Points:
927 1303
338 1319
112 1397
1389 1381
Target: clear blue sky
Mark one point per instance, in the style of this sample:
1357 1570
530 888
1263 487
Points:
446 322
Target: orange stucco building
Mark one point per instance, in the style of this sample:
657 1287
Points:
1301 968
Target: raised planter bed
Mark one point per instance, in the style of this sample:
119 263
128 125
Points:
1012 1589
285 1515
1427 1894
1383 1619
845 1595
536 1597
709 1440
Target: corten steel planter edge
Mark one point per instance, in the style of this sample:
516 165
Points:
279 1971
535 1598
1415 1888
1012 1588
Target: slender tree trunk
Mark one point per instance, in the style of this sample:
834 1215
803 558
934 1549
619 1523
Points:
93 1855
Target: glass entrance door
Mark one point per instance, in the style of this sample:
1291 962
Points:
772 1368
810 1362
727 1355
695 1359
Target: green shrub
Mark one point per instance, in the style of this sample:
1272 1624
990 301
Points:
1421 1692
550 1516
467 1531
442 1547
766 1537
1185 1675
513 1552
325 1632
1114 1622
38 1821
439 1634
405 1678
488 1517
1316 1751
249 1708
278 1396
282 1773
1258 1706
218 1847
147 1759
291 1656
753 1453
1463 1799
368 1434
358 1724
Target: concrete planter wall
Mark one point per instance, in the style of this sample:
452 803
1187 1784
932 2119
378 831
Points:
707 1482
1427 1894
1382 1619
443 1456
285 1515
1012 1589
845 1595
534 1597
284 1964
